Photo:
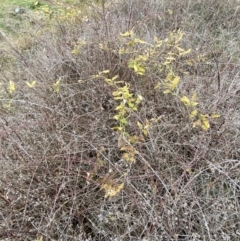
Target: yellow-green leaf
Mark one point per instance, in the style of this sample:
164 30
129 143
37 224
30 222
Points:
196 123
105 71
147 124
135 67
175 82
32 84
40 239
158 85
137 40
193 104
139 99
214 116
186 101
166 91
127 34
140 126
193 114
117 128
114 77
140 71
122 50
145 132
116 93
170 12
116 117
179 49
128 157
185 52
204 122
194 97
170 58
56 86
112 189
12 87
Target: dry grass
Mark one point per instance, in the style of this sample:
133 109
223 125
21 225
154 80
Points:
185 183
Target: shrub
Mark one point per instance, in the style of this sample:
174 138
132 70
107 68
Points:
117 128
